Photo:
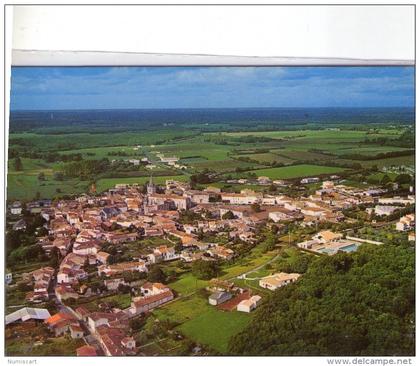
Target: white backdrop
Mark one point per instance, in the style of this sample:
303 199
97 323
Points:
346 32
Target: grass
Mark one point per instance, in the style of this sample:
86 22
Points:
202 322
187 284
214 328
60 346
297 171
122 301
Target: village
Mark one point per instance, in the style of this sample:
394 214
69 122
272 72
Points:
95 238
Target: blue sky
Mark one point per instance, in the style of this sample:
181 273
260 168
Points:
35 88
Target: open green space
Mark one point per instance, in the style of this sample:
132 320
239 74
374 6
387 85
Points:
202 322
297 171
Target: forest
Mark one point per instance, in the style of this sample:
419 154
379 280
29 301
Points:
359 304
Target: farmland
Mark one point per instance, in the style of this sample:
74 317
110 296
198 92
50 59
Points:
288 153
297 171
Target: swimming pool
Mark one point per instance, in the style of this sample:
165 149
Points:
349 248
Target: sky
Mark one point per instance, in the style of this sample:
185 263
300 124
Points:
55 88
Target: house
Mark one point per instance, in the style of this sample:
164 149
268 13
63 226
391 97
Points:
240 198
165 253
87 248
108 212
197 197
65 292
248 305
25 314
8 278
174 201
219 297
264 180
309 180
82 313
97 319
114 283
278 280
144 304
115 342
327 236
60 323
16 208
118 268
221 252
307 244
102 257
385 210
119 238
406 223
76 331
86 351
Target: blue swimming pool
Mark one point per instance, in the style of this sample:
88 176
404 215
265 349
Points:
349 248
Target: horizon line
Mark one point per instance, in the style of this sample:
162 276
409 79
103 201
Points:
204 108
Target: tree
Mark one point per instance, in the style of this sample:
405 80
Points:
256 207
156 274
403 179
354 304
18 164
55 257
272 188
385 179
58 176
205 270
228 216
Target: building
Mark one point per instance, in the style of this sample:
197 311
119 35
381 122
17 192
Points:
385 210
151 188
219 297
248 305
240 198
119 268
309 180
86 351
278 280
327 236
406 223
16 208
144 304
25 314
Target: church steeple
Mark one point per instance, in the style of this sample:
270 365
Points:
151 188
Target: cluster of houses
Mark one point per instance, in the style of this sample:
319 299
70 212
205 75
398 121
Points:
41 279
80 229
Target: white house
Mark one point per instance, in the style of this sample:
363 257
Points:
248 305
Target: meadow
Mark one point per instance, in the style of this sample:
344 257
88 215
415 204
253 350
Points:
278 154
297 171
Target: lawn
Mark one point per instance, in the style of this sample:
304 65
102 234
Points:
187 284
121 301
214 328
60 346
297 171
202 322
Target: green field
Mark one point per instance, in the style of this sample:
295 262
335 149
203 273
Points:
204 323
214 328
218 152
297 171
